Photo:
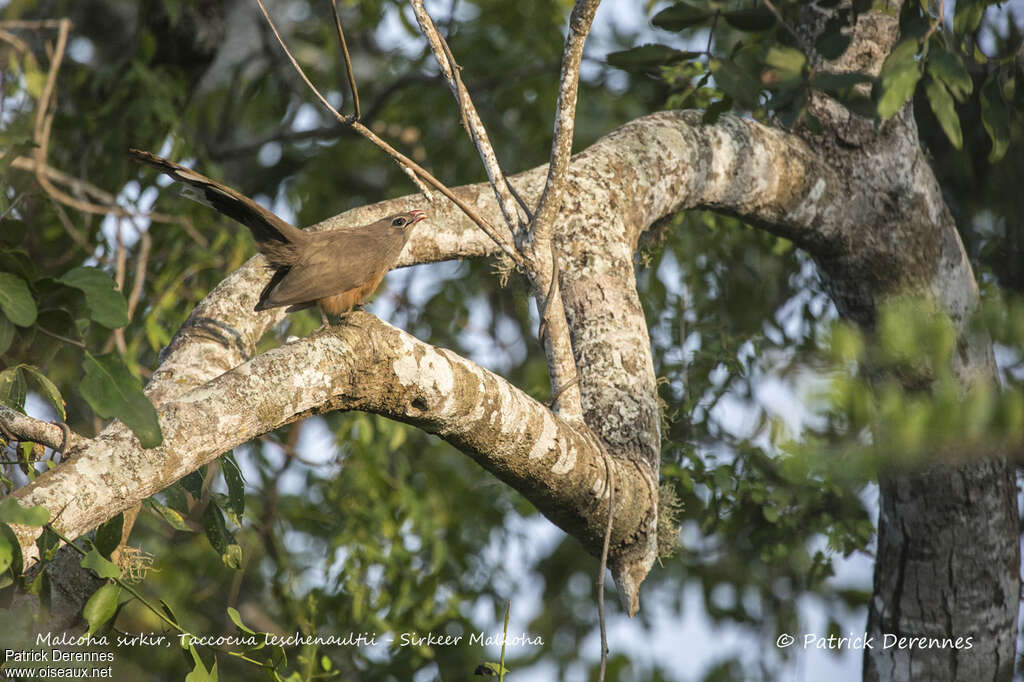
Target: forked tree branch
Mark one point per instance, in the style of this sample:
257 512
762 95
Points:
534 244
470 118
580 21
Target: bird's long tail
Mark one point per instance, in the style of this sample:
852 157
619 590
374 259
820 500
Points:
271 233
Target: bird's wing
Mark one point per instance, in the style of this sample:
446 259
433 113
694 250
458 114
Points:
335 262
265 226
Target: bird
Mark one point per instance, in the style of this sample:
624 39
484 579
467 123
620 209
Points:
335 270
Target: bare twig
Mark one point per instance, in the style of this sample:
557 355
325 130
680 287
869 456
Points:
83 187
604 562
69 227
470 118
32 430
60 337
141 263
402 160
14 41
120 270
32 25
348 60
609 466
45 110
936 23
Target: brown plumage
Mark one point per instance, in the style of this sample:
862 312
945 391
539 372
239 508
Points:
335 270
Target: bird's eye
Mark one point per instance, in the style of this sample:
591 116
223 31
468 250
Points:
398 222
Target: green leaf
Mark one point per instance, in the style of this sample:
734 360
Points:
112 391
754 19
104 568
220 538
679 16
105 303
967 16
199 672
13 388
171 516
942 106
787 62
193 483
235 483
736 82
11 556
233 557
169 612
12 512
6 333
899 77
47 543
491 669
648 56
16 301
12 232
108 535
716 109
101 607
236 618
947 68
995 116
46 388
836 83
6 553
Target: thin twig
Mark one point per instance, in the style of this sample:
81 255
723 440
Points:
45 110
83 187
609 465
394 153
32 25
69 227
45 107
60 337
120 270
14 41
470 118
141 263
936 23
348 60
711 32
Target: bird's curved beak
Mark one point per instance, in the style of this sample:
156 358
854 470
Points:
417 215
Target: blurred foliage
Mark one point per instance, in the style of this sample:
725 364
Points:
353 524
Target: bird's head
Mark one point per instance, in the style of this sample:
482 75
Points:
406 220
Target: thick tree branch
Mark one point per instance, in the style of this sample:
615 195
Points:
363 365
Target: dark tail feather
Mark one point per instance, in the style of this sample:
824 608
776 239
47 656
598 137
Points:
266 227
